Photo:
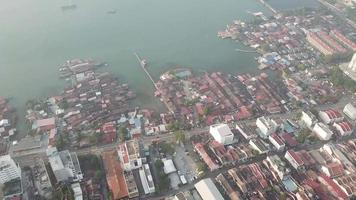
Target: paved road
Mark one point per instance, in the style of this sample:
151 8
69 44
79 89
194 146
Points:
170 137
259 158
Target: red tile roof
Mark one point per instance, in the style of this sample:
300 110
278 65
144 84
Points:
334 186
296 157
332 114
277 139
290 140
115 175
208 161
335 169
338 35
346 126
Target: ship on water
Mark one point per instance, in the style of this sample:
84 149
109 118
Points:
143 63
112 12
69 6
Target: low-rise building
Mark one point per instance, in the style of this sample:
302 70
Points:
350 111
227 187
347 183
207 190
247 132
168 166
115 175
199 148
129 154
344 128
77 191
333 169
278 166
309 119
277 142
146 179
322 131
330 116
294 160
259 145
266 126
222 133
28 148
44 124
65 165
9 170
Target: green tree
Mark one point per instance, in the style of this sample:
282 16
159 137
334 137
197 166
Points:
173 126
201 167
99 175
123 134
61 142
159 164
207 110
179 136
64 104
301 67
303 135
166 148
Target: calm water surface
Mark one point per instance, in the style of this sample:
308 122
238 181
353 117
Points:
37 36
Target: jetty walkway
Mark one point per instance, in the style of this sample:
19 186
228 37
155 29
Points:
143 66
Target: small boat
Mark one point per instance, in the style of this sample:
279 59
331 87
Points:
112 12
143 63
69 7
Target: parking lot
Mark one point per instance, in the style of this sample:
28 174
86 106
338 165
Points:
184 163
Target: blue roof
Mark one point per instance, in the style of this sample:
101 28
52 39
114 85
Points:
288 128
290 185
138 123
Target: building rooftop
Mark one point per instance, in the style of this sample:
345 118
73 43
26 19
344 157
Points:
295 157
222 129
115 175
208 190
276 138
345 126
332 114
199 147
168 166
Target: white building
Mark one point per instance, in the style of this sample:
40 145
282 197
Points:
65 165
129 154
309 119
277 142
207 190
350 69
222 133
77 190
352 64
322 131
266 126
344 128
9 170
258 145
350 111
294 160
168 166
330 116
146 179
